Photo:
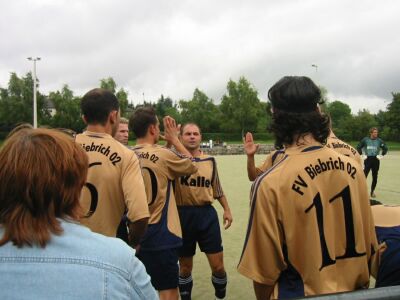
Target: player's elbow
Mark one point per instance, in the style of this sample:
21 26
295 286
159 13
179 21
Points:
251 176
137 230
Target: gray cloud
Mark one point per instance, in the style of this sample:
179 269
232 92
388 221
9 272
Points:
172 47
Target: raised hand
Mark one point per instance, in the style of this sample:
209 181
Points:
171 130
248 143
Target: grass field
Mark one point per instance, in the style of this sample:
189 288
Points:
232 171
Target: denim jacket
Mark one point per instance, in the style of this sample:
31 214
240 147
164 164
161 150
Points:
78 264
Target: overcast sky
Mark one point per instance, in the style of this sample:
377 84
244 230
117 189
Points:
171 47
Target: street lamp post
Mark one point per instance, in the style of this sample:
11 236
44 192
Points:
315 66
34 59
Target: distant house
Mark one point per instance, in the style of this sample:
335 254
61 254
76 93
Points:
49 106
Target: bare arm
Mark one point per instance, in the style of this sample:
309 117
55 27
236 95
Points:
250 148
227 212
137 230
262 291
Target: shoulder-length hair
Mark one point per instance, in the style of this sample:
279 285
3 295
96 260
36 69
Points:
41 176
290 127
295 114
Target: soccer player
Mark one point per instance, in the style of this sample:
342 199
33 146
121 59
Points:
199 220
371 146
338 145
114 181
310 227
250 148
160 166
122 133
387 226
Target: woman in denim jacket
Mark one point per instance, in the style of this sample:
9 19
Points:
44 252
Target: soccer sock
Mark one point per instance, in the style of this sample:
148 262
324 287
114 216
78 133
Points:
185 287
219 284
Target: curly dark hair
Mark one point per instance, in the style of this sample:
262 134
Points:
295 102
287 125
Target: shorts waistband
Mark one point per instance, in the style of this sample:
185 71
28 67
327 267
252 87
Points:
193 206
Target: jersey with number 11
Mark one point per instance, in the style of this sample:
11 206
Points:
310 229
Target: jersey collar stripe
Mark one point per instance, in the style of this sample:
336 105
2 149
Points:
256 184
312 148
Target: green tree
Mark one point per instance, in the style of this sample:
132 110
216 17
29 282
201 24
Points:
384 129
16 102
68 112
358 126
122 96
264 117
201 110
393 117
340 113
240 107
108 84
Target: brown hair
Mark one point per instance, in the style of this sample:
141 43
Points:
141 119
187 124
372 129
123 120
42 173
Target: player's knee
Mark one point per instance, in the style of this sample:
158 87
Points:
218 270
185 270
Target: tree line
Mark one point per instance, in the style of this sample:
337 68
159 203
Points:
240 110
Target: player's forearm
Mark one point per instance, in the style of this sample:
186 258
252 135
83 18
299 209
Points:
137 230
262 291
251 168
384 149
224 203
360 146
180 148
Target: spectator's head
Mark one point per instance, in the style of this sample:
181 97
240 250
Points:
42 174
373 132
191 136
144 124
100 107
18 128
122 133
295 110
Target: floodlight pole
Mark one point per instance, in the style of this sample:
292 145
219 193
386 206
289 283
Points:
34 59
316 67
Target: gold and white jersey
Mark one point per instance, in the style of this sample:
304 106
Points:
114 184
332 142
202 187
270 160
310 228
160 167
338 145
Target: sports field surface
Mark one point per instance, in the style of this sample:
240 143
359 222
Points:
233 175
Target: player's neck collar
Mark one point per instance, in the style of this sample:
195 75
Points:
303 147
99 134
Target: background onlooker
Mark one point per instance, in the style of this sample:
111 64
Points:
44 252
